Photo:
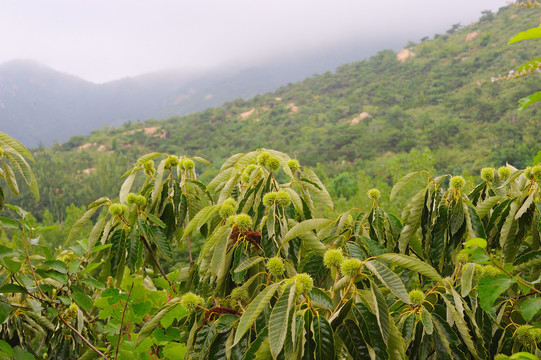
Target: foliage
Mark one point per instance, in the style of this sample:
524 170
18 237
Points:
285 277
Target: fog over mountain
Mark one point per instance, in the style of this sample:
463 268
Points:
191 57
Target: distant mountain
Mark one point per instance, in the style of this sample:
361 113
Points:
39 105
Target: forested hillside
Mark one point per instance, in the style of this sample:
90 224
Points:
432 105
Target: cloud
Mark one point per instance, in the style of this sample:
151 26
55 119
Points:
102 40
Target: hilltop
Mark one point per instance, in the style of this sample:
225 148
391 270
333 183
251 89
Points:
430 105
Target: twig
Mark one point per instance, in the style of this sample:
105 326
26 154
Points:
86 341
30 262
155 260
517 277
122 322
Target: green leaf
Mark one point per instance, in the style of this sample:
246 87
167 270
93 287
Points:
484 208
150 325
527 203
10 178
143 159
401 183
5 349
530 307
8 223
523 356
305 226
529 100
323 337
57 265
412 219
81 223
533 33
93 282
83 300
466 279
12 288
280 317
4 311
381 310
5 139
462 328
319 297
158 183
489 288
23 167
200 218
254 309
155 220
261 343
126 187
95 233
480 243
426 319
161 242
389 279
350 334
409 262
248 263
201 160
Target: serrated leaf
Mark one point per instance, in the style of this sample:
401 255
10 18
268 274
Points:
381 310
8 223
527 203
23 167
529 100
95 234
155 220
143 159
200 219
320 297
533 33
158 182
389 279
201 160
254 309
479 242
10 178
57 265
462 328
248 263
151 324
412 219
426 319
80 223
305 226
530 307
401 183
489 288
484 208
126 187
278 317
412 263
350 334
83 300
466 279
17 146
93 282
12 288
323 337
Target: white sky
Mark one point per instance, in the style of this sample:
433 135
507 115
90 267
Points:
102 40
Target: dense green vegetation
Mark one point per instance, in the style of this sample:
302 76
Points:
280 274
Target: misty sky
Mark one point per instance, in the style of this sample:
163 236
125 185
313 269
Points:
102 40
